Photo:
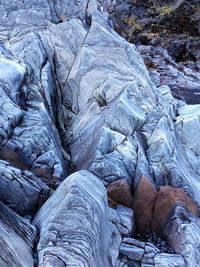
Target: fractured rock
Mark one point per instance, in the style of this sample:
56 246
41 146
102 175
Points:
182 232
168 260
127 220
31 192
71 86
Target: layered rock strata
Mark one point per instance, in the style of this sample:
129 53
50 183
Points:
17 239
75 96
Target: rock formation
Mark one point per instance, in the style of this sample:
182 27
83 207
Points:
167 34
83 117
74 225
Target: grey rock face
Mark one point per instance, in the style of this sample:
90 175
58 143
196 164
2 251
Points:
21 17
75 96
183 235
21 190
17 239
126 220
98 127
133 253
138 253
168 260
28 138
74 226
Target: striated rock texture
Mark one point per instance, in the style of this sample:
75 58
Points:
74 225
76 98
21 190
17 239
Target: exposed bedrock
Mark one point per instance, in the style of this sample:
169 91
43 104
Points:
77 97
74 225
169 34
29 139
182 233
20 190
152 208
183 82
17 239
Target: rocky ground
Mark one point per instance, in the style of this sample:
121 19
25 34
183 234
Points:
99 162
167 34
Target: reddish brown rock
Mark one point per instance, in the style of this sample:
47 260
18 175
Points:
152 209
119 192
111 203
143 203
167 198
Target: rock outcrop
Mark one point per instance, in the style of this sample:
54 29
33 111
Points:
17 239
168 33
76 98
21 190
74 225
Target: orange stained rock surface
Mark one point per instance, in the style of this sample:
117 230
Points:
152 209
119 192
167 198
143 203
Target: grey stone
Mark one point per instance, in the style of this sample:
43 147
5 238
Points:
134 242
183 235
74 95
20 190
17 240
126 219
132 252
74 226
168 260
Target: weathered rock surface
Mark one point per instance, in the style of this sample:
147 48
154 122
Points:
29 140
183 235
119 192
74 226
138 253
20 190
166 200
17 239
183 82
143 203
173 25
127 221
75 96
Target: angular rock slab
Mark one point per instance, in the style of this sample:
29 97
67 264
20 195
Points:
168 260
17 239
20 190
138 253
74 226
104 97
